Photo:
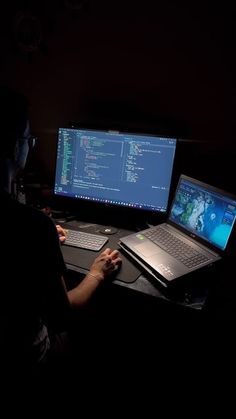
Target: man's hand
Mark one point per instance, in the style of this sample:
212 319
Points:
61 233
106 263
60 230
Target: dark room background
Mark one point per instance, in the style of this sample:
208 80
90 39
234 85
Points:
154 66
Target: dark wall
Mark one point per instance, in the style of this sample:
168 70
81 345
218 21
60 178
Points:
155 66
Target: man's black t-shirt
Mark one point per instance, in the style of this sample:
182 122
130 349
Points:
33 297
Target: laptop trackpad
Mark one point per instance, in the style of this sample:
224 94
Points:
147 249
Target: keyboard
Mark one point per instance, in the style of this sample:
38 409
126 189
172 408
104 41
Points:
176 247
84 240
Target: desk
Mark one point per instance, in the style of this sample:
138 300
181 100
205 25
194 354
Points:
141 322
191 296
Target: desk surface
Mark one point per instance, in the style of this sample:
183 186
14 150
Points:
192 295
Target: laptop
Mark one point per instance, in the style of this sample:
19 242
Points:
195 235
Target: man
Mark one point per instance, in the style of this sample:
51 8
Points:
34 299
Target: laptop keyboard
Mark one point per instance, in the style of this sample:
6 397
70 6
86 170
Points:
84 240
175 247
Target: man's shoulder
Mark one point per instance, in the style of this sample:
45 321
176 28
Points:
34 212
31 218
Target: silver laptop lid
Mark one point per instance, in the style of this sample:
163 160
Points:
206 212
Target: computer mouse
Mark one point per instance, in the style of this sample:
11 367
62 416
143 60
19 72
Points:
116 270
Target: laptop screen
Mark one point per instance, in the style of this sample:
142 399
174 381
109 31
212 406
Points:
114 168
205 211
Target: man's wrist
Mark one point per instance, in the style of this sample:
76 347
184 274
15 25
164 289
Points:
99 277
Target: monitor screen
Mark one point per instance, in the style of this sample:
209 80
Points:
121 169
207 212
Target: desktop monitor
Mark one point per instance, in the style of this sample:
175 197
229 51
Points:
115 168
